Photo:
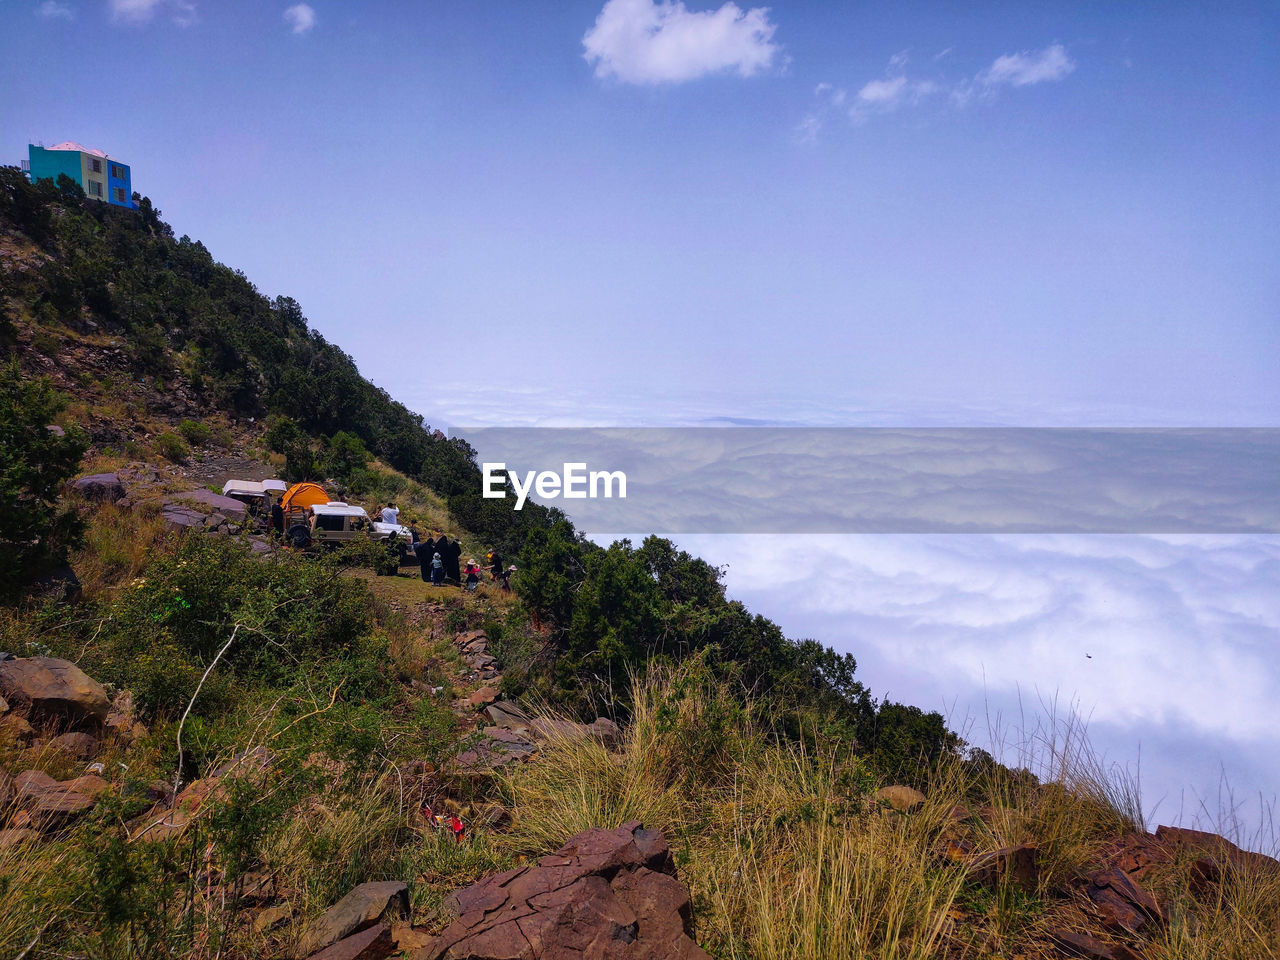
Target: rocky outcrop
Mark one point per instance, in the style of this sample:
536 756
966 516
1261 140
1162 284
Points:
605 894
54 690
900 798
360 909
100 487
49 805
202 510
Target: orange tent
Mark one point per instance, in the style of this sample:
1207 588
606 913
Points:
303 495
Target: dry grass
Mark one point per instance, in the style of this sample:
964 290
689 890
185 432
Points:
787 857
118 545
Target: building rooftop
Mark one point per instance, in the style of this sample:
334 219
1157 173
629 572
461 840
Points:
72 145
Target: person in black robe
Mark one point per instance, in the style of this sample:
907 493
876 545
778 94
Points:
423 552
451 555
277 519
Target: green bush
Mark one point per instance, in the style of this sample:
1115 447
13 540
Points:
195 433
291 616
171 446
36 532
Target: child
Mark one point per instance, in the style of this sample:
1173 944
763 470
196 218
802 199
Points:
437 569
473 574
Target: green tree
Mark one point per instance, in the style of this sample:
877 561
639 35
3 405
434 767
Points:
36 532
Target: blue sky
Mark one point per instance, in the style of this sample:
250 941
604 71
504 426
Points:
456 188
1023 213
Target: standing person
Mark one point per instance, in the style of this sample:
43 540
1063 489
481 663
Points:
437 570
495 565
390 514
277 518
473 575
506 577
423 552
451 557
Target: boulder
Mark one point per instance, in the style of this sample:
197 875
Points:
59 808
1122 903
505 714
363 907
178 518
1082 945
495 748
605 730
100 487
227 506
1018 866
900 798
272 917
606 894
54 690
483 697
82 746
374 943
51 805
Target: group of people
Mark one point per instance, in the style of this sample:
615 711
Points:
439 559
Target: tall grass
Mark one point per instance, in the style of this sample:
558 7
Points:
788 855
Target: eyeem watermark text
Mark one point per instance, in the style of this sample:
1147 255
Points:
574 483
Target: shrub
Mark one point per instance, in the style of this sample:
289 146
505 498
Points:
35 531
171 446
195 433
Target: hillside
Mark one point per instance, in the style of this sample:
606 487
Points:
222 744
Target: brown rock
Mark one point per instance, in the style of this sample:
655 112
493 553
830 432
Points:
90 785
507 715
29 785
54 690
272 917
374 943
604 730
605 894
1083 945
58 808
900 798
82 746
483 697
359 909
1220 850
1015 865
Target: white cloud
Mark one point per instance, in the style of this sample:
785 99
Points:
891 91
183 12
1165 642
648 42
53 10
883 91
898 88
1023 69
301 17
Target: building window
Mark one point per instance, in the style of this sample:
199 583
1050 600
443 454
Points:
117 171
119 194
95 188
95 164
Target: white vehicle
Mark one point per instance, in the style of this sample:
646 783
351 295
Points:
257 495
330 524
337 522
